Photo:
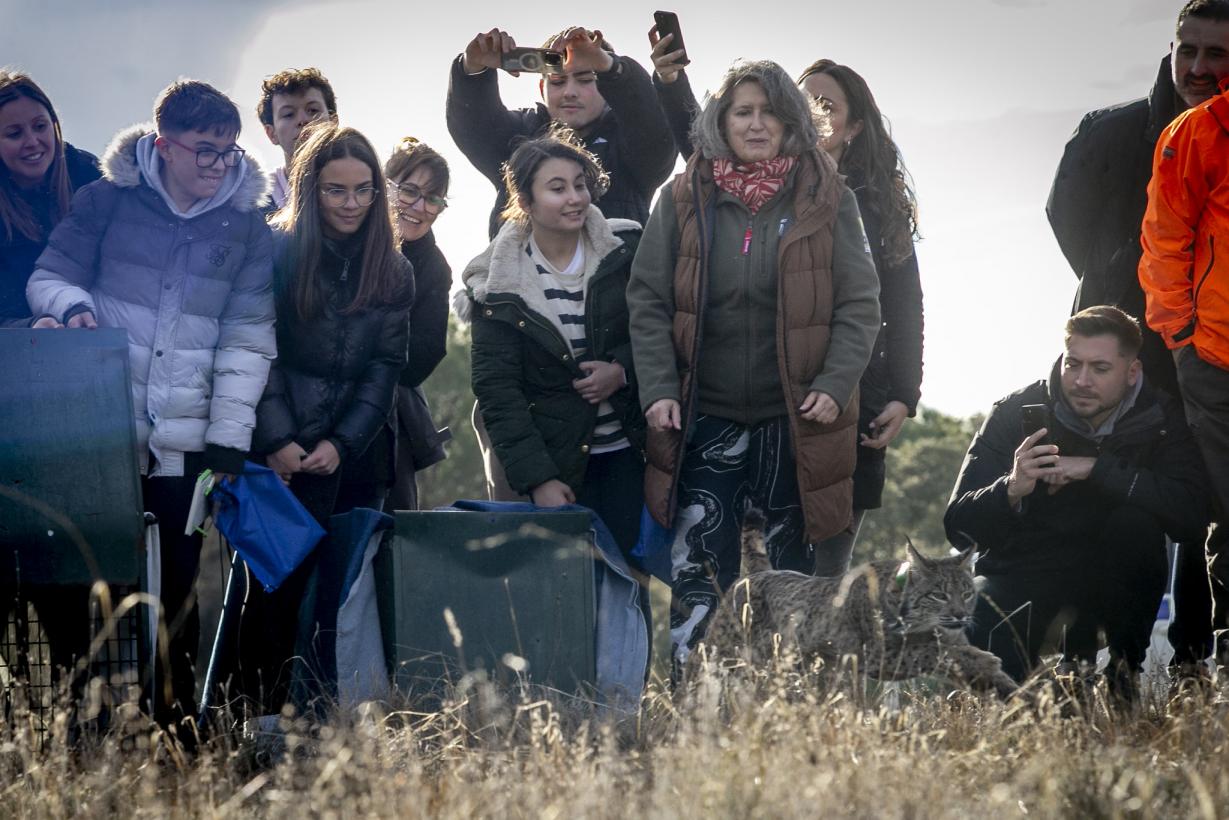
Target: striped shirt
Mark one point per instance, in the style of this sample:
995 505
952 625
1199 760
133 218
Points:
565 291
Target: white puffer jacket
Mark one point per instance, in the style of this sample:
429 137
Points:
194 293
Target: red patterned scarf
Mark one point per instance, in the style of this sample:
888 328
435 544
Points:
755 183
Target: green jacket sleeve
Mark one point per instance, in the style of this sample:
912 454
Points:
855 305
650 303
495 375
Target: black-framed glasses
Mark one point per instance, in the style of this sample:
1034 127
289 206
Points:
338 197
208 157
407 193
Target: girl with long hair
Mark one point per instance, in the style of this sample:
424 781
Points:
343 295
861 144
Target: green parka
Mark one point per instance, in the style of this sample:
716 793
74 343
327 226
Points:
522 368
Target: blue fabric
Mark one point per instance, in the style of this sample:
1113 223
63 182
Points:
338 565
621 636
265 523
652 549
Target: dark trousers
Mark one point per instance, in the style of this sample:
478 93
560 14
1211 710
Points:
1110 585
614 489
833 554
269 626
728 467
169 498
1201 593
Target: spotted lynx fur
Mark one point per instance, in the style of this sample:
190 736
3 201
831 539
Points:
896 621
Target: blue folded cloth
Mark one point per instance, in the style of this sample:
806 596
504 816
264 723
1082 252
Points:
263 521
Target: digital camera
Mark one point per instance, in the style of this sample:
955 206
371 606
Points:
539 60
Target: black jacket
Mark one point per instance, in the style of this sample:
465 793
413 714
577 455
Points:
1097 203
1149 461
894 372
334 375
522 376
429 315
18 254
419 442
632 139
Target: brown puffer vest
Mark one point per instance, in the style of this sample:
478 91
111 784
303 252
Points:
825 452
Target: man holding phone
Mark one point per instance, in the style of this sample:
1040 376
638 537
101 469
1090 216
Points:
1071 517
608 100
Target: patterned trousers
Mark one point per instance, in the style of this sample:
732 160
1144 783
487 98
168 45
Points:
727 468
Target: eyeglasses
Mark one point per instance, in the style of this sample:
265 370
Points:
208 157
338 197
408 193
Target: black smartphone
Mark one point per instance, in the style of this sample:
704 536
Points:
668 23
1033 417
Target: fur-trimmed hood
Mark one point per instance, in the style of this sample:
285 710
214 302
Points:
122 167
499 268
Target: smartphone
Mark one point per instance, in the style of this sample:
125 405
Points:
668 23
539 60
1033 418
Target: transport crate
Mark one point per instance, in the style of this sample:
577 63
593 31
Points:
517 585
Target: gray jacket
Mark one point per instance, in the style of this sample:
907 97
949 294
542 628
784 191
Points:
193 291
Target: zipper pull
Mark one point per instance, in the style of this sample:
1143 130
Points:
782 226
345 270
747 240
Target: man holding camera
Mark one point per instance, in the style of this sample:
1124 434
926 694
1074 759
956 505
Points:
1068 490
606 99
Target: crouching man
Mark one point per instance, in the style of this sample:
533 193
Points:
1071 518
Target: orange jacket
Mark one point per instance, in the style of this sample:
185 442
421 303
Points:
1184 274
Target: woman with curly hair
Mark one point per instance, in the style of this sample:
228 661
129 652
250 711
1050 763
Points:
861 144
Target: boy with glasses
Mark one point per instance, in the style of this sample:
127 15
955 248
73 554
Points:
170 244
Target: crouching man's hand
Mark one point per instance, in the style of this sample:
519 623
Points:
1068 469
1033 462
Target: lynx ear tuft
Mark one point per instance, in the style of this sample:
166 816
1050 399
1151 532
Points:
916 557
753 519
969 554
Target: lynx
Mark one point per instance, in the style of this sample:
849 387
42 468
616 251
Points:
894 620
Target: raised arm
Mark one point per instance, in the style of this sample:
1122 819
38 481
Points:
646 143
479 123
674 93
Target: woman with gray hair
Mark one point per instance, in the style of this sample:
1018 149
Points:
754 308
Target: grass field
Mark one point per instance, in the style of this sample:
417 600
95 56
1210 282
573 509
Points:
782 750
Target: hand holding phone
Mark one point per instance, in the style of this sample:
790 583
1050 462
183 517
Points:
1034 417
667 23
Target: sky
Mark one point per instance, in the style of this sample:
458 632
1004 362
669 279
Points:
981 95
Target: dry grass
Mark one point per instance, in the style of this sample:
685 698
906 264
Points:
789 750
